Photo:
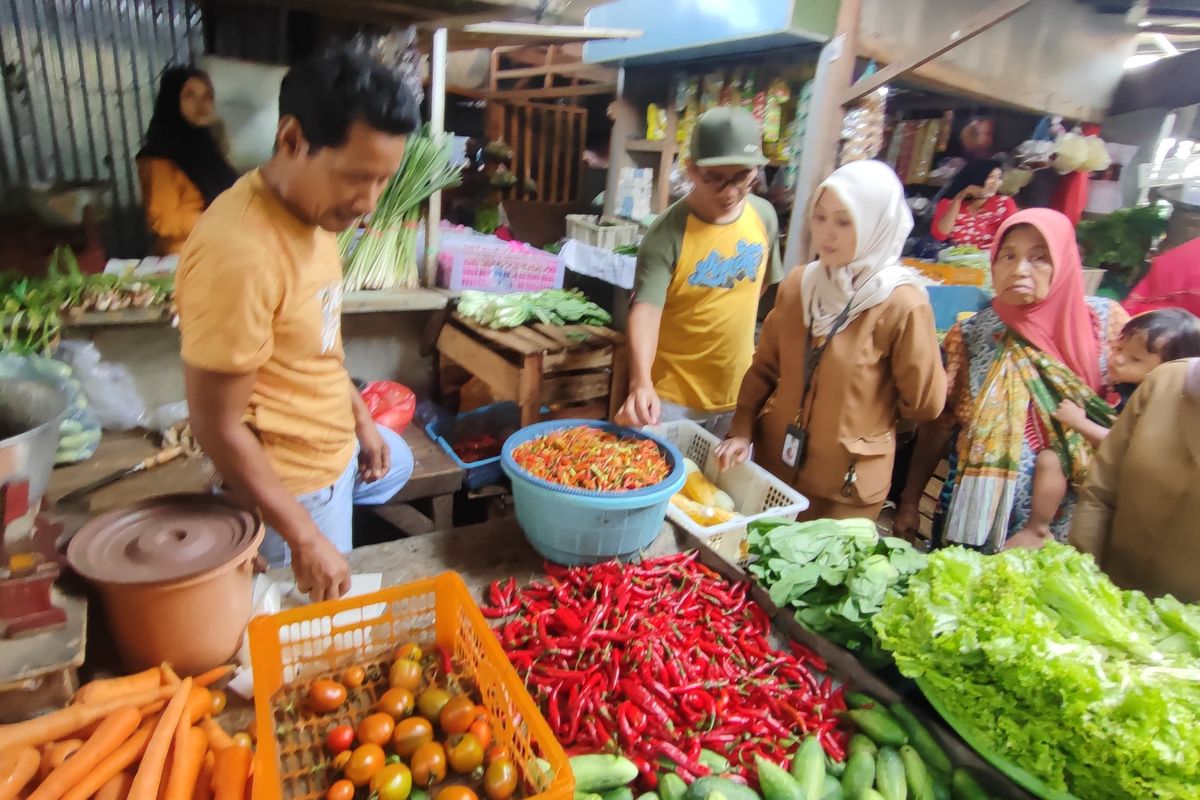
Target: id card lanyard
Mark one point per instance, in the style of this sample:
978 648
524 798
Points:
795 441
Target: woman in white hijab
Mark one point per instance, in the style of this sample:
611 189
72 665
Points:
849 349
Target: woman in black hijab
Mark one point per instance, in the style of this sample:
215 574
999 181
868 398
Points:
181 166
970 211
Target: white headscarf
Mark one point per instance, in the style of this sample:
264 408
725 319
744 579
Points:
874 197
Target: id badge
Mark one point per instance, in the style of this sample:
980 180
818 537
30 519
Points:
795 443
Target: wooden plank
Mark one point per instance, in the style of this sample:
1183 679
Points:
571 360
588 411
529 389
543 343
554 332
608 334
496 373
579 69
557 158
619 385
553 92
574 388
569 158
543 153
505 339
583 123
527 136
385 300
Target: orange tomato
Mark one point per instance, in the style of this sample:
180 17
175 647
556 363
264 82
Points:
410 734
325 695
341 759
410 651
498 752
431 702
464 753
456 793
397 702
376 729
481 730
216 701
341 790
353 677
500 780
243 739
365 761
429 765
457 715
405 674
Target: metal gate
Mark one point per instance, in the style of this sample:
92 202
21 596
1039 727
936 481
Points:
80 77
548 143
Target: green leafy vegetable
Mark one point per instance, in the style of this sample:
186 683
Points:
551 306
836 573
1119 241
1094 690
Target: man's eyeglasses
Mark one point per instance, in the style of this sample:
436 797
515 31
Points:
718 183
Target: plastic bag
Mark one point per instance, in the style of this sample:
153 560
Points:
109 387
79 432
391 404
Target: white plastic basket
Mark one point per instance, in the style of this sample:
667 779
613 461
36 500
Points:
756 493
587 228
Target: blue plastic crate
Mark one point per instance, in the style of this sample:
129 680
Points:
949 301
575 526
498 418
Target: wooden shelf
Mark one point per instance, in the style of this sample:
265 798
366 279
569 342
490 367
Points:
647 146
384 300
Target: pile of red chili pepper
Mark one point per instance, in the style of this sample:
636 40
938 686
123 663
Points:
584 457
659 660
477 448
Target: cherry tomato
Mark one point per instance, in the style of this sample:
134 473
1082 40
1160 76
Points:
243 739
405 674
393 782
397 702
353 677
341 759
481 730
216 701
464 753
341 790
456 793
376 729
498 752
429 765
365 761
410 651
431 702
500 780
481 713
339 738
410 734
457 715
325 695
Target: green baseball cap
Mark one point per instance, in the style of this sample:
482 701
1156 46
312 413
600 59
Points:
727 136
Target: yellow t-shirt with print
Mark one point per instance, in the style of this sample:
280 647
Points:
707 279
260 291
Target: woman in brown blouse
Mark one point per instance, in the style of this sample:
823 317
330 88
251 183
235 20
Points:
849 348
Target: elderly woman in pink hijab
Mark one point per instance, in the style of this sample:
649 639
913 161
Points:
1008 368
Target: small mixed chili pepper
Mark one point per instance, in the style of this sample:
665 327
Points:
660 659
589 458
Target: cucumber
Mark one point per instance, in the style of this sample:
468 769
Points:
598 773
671 786
861 741
916 775
880 725
941 787
921 740
714 761
777 784
834 767
648 796
859 774
622 793
701 788
832 790
860 700
808 768
889 775
716 796
588 796
870 794
964 787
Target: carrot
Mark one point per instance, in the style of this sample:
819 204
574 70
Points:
18 765
66 721
101 691
213 675
203 790
55 753
190 746
111 734
116 763
169 676
150 771
198 702
117 787
230 773
218 739
153 708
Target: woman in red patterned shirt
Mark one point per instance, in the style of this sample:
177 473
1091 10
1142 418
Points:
970 212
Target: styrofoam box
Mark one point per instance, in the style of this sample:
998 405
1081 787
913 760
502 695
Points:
756 492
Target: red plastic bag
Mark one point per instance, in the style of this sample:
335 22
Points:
391 404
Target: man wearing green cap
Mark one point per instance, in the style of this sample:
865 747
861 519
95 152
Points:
701 269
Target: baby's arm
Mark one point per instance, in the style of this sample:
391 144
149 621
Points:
1075 418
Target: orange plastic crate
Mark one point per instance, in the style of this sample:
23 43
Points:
290 648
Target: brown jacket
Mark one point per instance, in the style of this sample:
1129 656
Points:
884 365
1139 510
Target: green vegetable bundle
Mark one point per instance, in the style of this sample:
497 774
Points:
836 573
550 306
1092 689
386 256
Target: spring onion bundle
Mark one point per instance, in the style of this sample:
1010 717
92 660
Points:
385 257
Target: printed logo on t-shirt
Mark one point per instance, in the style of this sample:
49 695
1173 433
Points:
331 316
719 272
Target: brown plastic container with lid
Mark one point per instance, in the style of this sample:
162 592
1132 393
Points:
176 577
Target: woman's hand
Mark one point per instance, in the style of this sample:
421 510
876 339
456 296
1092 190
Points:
733 451
971 193
1070 415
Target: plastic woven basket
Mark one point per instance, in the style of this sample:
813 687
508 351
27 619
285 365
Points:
574 526
756 493
590 229
497 417
290 648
